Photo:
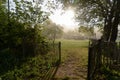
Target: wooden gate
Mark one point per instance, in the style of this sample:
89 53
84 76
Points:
102 54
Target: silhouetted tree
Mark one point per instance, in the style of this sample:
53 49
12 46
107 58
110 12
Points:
106 12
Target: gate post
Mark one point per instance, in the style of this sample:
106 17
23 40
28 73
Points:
59 52
89 61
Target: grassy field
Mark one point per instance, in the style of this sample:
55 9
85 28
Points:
74 58
74 47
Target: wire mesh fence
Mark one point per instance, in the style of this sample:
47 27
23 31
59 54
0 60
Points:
54 61
34 62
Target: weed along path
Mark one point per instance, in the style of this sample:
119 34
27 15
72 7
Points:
74 60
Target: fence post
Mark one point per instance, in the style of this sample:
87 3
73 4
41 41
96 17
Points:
89 61
58 62
119 45
59 52
99 55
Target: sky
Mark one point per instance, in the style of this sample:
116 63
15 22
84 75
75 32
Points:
65 19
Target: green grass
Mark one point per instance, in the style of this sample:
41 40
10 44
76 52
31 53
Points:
79 50
75 48
67 44
73 53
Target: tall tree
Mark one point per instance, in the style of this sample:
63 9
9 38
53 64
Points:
106 12
22 23
52 30
86 31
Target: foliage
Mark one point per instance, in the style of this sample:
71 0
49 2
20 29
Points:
52 30
99 12
21 42
106 73
19 28
34 69
27 12
86 31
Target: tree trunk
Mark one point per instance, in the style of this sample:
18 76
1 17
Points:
111 23
107 29
114 34
116 21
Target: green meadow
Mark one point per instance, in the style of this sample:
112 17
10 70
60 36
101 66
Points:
74 57
78 48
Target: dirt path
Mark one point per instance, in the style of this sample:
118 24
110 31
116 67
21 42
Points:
72 69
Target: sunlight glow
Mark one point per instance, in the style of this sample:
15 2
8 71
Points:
64 18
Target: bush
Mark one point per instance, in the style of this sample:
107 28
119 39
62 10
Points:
33 69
